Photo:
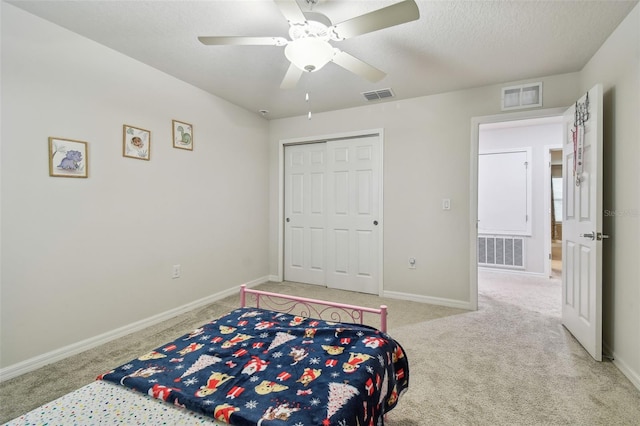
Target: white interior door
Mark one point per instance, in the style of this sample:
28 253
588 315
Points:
304 232
582 228
353 214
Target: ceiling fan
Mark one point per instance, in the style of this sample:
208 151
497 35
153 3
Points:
311 33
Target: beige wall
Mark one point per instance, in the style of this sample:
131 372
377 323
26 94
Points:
617 67
427 154
81 257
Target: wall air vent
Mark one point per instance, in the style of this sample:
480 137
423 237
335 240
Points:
523 96
375 95
501 251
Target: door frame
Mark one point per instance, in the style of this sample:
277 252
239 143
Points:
473 190
547 207
379 132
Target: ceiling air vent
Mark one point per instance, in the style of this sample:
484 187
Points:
378 94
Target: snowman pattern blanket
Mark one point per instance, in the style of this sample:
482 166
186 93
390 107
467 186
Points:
260 367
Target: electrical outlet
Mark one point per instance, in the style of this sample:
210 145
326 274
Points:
446 204
177 271
412 263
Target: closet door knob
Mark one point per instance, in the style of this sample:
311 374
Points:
375 222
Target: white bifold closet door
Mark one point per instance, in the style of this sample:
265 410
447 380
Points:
304 206
332 206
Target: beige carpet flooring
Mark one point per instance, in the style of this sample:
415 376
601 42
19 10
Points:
509 363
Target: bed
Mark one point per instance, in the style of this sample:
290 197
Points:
276 360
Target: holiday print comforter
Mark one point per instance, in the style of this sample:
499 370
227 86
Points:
259 367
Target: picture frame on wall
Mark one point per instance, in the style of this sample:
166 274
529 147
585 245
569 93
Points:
182 135
136 142
68 158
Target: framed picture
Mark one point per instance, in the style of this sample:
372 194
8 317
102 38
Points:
136 142
68 158
182 135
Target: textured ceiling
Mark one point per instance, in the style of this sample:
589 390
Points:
454 45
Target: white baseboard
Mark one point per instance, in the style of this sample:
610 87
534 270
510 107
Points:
633 376
34 363
451 303
275 278
512 271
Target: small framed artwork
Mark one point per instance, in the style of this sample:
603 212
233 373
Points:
136 142
68 158
182 135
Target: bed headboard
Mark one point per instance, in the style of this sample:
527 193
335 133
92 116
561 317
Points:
312 308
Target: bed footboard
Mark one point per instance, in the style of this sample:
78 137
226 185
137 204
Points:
312 308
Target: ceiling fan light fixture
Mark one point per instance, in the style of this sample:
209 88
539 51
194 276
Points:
309 54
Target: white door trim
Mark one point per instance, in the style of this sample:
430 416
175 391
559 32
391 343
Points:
547 207
473 190
323 138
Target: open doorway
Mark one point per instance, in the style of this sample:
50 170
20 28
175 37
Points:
581 279
555 212
519 204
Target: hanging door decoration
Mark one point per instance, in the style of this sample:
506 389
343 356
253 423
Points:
580 118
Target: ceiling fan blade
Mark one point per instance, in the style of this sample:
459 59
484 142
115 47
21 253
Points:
358 67
291 11
247 41
291 78
396 14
